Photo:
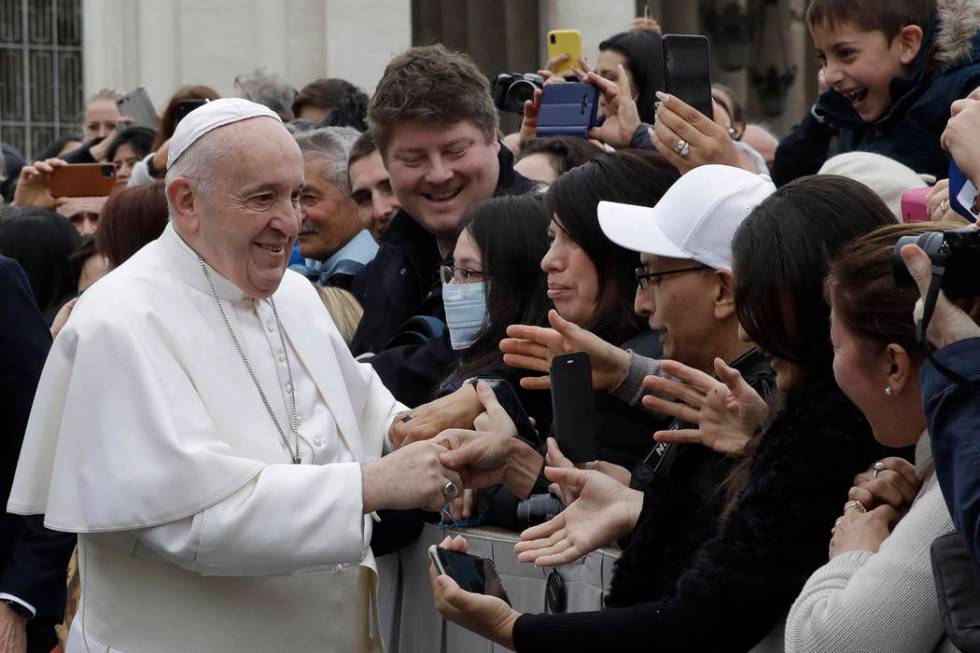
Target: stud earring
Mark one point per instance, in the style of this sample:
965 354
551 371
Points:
889 391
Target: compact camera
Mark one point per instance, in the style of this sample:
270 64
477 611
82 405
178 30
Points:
954 254
511 90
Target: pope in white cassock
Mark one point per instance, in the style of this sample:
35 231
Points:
203 428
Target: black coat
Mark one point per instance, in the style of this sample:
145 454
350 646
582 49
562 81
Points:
402 282
744 578
33 560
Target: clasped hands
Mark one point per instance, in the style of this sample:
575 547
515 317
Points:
881 495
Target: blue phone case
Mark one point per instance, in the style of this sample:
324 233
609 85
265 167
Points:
568 109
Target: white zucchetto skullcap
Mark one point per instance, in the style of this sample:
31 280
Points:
212 115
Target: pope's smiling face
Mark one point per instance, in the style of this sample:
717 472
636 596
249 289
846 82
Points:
249 211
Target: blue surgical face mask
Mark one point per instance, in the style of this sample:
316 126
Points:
466 312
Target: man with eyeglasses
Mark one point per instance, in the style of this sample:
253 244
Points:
686 291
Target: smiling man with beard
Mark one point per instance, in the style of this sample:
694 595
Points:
435 126
332 239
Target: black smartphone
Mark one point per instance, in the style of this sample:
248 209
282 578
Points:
568 109
687 70
184 107
573 406
509 401
471 573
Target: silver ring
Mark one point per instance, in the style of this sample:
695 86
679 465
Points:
877 468
449 489
683 148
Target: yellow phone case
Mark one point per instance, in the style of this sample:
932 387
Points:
565 41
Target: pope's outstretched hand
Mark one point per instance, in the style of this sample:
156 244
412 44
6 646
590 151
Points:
410 477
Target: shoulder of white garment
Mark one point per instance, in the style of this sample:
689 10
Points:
121 400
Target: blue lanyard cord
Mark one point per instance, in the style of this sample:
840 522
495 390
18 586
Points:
448 522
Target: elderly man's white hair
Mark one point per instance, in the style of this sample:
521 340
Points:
334 144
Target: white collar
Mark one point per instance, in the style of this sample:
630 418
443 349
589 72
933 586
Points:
185 264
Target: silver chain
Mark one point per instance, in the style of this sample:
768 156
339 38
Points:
289 371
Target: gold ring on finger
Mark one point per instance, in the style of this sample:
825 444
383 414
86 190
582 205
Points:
854 503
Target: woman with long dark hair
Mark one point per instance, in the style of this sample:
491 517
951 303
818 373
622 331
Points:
641 55
591 282
780 504
42 241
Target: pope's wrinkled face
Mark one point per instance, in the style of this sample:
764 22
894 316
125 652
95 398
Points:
249 211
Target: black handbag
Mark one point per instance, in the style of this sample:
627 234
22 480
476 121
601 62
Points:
957 590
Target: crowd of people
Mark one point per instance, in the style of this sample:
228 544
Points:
303 324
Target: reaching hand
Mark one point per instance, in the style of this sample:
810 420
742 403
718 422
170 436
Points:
34 186
487 616
728 412
484 459
708 139
532 348
604 511
456 410
949 323
411 477
568 493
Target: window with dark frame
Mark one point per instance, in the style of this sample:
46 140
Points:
41 92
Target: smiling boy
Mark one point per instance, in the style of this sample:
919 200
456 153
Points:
893 68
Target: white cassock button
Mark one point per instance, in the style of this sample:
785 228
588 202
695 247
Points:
271 327
282 358
318 442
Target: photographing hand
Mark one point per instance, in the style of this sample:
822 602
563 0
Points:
728 412
895 485
34 186
622 115
487 616
604 511
862 531
937 204
533 347
529 123
456 410
708 140
949 323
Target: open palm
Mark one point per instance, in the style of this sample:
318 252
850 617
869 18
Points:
604 511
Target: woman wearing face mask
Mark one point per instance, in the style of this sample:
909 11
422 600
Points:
781 503
879 570
592 282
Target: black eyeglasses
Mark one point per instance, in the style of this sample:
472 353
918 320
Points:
644 278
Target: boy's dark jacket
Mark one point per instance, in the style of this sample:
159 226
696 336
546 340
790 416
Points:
946 69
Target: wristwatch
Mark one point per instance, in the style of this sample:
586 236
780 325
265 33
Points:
18 608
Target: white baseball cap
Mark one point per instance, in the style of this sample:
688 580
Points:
212 115
696 218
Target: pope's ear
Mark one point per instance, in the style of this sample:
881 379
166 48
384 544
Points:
182 206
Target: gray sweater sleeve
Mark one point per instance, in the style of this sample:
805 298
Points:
630 389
